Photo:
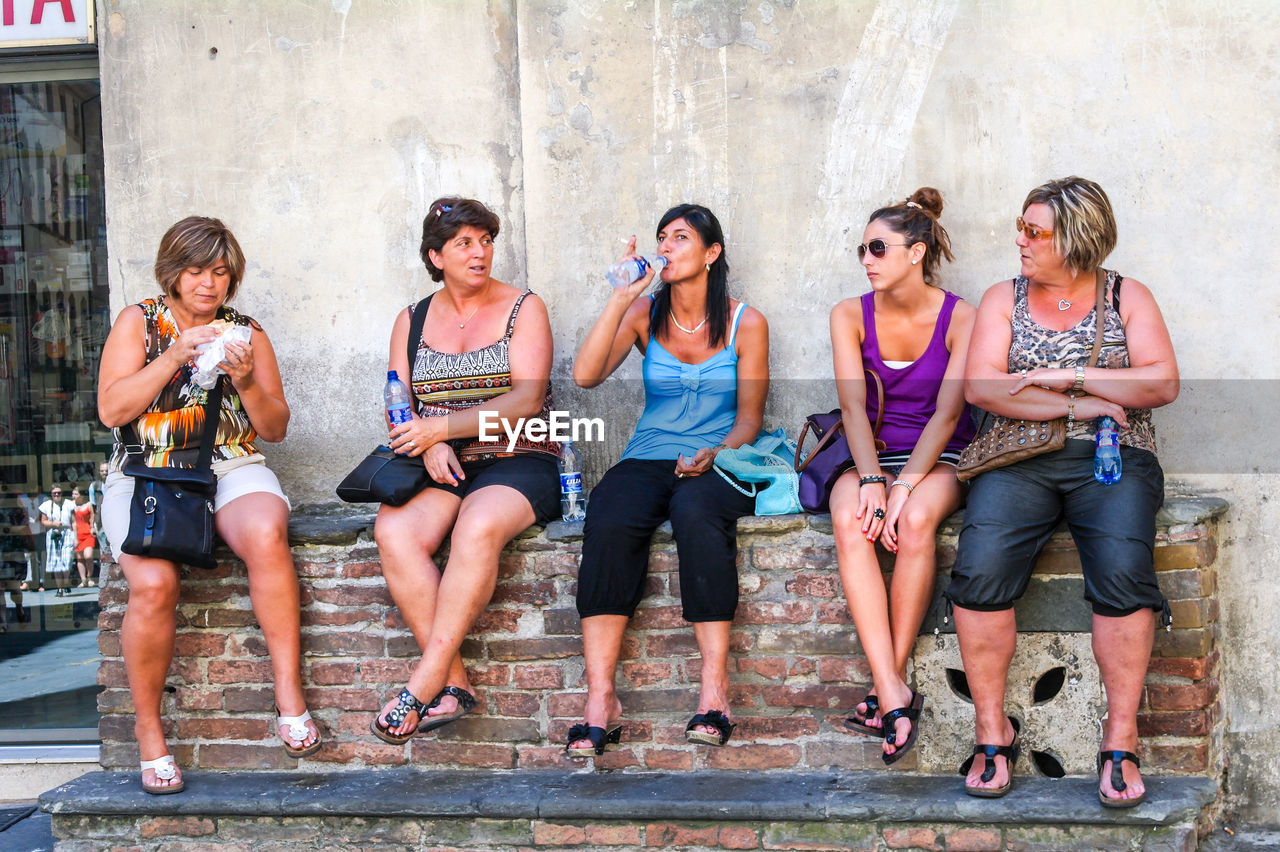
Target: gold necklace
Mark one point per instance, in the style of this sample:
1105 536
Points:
463 324
682 328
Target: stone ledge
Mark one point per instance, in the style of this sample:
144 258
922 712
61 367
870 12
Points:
587 795
341 523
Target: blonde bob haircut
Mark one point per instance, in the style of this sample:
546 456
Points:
1084 226
197 242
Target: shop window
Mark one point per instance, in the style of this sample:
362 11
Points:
53 320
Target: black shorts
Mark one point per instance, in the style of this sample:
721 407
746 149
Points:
534 476
1012 511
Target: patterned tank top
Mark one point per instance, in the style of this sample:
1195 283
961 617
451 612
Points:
1034 346
447 382
171 427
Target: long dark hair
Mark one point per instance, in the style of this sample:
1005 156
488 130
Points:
708 227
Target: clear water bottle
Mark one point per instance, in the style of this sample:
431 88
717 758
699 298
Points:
573 504
632 269
1106 454
396 397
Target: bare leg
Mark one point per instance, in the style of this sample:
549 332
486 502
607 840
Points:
256 528
713 647
987 642
146 641
601 645
1122 647
487 520
408 537
916 565
84 562
868 602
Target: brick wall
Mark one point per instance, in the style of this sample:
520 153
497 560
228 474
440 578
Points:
796 664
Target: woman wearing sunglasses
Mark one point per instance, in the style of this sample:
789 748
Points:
1029 359
913 335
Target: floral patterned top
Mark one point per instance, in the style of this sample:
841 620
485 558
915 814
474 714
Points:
171 427
1035 346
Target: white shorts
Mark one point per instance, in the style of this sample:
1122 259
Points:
236 478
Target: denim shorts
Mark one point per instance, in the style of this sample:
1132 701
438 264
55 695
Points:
1012 511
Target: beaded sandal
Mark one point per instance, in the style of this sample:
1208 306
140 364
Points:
406 703
466 703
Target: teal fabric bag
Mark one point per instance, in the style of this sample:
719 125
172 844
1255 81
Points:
764 470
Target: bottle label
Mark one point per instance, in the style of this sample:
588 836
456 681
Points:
570 483
399 414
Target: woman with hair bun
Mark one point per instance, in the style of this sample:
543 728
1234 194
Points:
913 335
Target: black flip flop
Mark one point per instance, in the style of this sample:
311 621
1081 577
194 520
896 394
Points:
911 713
466 703
715 719
1118 783
859 723
601 740
406 702
990 753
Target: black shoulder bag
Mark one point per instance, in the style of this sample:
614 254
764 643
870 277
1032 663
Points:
385 476
171 515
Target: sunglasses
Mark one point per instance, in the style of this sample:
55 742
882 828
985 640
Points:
1032 232
877 248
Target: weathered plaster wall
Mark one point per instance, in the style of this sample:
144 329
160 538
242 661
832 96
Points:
320 132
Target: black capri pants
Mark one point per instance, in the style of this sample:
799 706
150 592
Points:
1012 511
631 500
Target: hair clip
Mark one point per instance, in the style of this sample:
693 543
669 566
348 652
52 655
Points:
447 208
913 204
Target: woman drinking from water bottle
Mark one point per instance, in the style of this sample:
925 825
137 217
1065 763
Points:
706 375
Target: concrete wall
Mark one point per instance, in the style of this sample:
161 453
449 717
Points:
321 130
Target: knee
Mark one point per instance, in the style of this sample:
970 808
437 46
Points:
917 529
479 532
846 525
154 593
396 529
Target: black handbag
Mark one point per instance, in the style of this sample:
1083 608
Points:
385 476
171 514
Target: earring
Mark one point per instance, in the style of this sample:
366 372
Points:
708 267
914 262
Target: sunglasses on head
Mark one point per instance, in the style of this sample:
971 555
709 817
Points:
876 247
1032 232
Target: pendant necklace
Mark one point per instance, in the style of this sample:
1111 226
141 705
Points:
1064 305
682 328
463 324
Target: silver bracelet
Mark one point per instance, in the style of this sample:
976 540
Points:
907 485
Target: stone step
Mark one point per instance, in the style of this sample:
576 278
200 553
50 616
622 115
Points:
531 809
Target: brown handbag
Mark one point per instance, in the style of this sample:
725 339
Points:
1002 441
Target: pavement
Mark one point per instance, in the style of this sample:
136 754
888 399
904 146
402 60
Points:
24 829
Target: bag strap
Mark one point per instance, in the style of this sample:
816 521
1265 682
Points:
213 401
1100 317
416 321
831 433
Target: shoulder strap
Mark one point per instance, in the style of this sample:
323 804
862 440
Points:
1100 317
511 321
416 321
733 330
212 403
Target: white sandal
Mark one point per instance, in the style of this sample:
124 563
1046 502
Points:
298 732
166 770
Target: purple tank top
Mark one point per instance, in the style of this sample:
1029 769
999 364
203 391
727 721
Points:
911 393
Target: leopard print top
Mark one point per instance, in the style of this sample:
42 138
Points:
1035 346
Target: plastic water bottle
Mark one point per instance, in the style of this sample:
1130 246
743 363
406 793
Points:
396 396
632 269
1106 455
573 505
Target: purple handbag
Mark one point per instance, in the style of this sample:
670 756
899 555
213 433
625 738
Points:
831 457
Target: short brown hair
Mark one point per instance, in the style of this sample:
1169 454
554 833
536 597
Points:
197 242
1084 226
445 217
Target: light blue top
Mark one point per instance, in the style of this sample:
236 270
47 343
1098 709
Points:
687 407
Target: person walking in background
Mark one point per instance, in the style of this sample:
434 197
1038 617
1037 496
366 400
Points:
86 541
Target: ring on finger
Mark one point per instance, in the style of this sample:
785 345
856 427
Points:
878 514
